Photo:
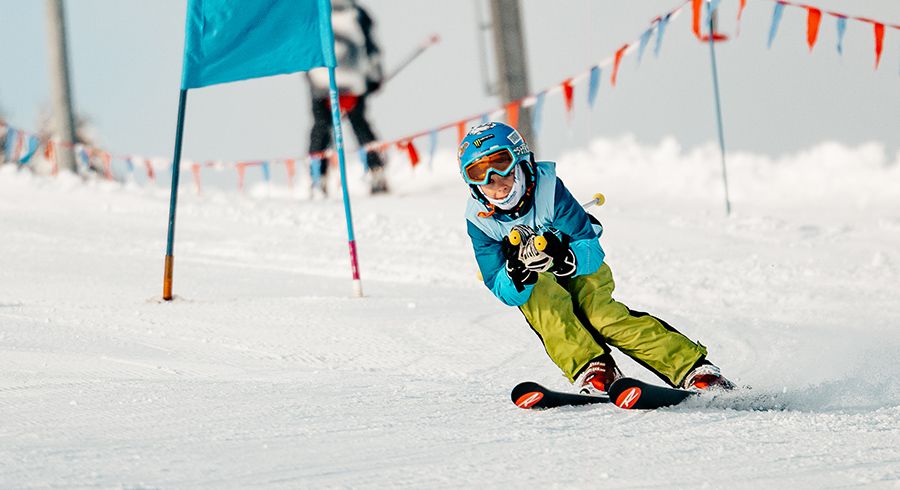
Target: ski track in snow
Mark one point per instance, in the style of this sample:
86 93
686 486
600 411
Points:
265 373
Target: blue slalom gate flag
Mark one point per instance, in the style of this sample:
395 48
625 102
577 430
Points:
231 40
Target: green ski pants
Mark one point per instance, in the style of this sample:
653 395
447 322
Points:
578 320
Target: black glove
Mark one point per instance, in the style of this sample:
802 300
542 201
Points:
373 86
516 270
563 257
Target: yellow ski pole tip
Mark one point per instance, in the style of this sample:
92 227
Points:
600 198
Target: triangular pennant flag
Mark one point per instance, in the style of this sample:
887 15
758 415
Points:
741 7
660 30
107 165
813 18
512 114
460 131
593 85
645 38
10 135
364 158
50 154
290 165
195 170
267 176
776 19
879 42
537 111
83 156
151 174
20 143
695 11
485 118
568 94
841 29
413 154
315 170
616 62
32 145
242 167
129 164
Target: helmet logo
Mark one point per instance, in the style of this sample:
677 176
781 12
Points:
482 128
514 137
481 140
462 148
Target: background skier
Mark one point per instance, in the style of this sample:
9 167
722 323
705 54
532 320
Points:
554 270
357 75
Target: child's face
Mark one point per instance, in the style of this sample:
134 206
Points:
499 187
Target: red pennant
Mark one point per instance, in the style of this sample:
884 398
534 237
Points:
695 10
741 11
150 174
460 131
290 165
813 18
107 165
568 93
410 151
879 42
512 114
50 154
618 59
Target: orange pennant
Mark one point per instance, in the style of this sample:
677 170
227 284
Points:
512 113
740 12
695 10
460 131
290 165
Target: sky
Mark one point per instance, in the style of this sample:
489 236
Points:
126 60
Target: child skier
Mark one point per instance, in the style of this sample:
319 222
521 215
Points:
537 249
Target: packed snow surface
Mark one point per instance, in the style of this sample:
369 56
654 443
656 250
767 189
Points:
265 372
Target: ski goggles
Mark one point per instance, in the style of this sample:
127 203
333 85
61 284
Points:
479 170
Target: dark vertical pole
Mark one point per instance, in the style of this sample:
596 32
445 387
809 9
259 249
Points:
512 61
173 198
715 77
62 116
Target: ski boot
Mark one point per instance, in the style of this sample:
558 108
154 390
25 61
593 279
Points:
706 376
596 377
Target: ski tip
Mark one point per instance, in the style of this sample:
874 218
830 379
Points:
527 394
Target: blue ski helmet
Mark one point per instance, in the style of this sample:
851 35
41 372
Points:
489 138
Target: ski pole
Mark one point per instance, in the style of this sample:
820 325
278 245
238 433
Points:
598 200
540 243
427 43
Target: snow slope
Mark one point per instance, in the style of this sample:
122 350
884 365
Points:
265 373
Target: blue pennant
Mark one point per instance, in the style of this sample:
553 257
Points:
776 19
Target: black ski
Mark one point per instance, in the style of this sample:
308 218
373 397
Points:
627 393
532 395
631 393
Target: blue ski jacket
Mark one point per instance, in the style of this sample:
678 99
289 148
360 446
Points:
553 208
